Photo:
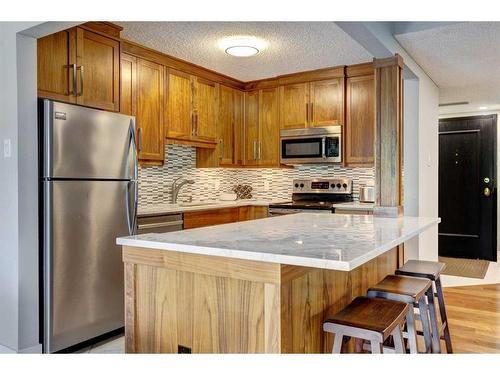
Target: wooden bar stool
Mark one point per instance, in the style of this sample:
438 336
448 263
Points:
412 290
432 271
372 319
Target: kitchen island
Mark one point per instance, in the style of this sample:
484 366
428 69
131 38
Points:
262 286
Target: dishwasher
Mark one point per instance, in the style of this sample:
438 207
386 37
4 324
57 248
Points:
159 223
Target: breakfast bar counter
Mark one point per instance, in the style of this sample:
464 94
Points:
261 286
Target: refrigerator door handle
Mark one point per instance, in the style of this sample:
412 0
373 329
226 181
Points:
131 214
133 145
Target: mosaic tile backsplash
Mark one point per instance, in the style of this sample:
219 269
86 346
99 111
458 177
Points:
155 183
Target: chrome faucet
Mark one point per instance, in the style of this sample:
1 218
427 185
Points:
176 187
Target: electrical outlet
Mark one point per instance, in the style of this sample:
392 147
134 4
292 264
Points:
6 148
266 185
183 350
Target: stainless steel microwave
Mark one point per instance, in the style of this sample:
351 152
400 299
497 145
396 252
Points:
311 145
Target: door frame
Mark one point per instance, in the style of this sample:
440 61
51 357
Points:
494 117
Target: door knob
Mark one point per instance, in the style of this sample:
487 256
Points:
487 192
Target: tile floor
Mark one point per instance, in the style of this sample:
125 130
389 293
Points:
113 345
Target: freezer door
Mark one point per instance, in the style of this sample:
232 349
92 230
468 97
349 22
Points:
80 142
83 269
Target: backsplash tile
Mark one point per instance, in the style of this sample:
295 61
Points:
155 182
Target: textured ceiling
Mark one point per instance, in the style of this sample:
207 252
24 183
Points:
463 60
293 46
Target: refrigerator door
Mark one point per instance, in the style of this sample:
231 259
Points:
83 269
84 143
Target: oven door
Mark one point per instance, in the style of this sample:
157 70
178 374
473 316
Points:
307 150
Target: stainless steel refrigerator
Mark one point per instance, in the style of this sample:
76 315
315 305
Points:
88 195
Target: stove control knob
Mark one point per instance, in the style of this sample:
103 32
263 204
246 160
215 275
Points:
296 185
338 185
344 186
301 186
332 186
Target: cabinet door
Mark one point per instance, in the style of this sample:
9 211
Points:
327 102
205 101
226 126
268 150
56 54
251 134
128 85
360 121
149 118
238 123
294 104
179 105
198 219
98 60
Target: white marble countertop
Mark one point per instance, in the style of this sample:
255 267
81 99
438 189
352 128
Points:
169 208
355 206
337 242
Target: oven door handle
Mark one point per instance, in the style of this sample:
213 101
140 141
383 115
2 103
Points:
323 147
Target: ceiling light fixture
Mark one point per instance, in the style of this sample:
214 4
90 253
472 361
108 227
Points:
242 46
483 108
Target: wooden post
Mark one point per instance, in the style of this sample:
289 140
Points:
388 136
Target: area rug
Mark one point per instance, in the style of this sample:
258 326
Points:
474 268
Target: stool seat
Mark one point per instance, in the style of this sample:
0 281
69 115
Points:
422 268
413 287
373 314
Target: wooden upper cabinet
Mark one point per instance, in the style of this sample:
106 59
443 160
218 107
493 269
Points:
149 116
327 102
128 85
360 121
56 66
226 126
80 66
251 134
238 124
205 110
98 60
294 105
180 120
268 148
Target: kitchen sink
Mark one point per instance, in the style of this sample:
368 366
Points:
196 203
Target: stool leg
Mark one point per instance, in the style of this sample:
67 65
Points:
377 347
444 318
337 343
424 318
436 346
397 336
411 330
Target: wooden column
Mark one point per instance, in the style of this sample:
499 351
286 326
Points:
388 136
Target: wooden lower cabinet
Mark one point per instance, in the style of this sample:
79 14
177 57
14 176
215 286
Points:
213 304
197 219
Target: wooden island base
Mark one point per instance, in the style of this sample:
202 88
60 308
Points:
212 304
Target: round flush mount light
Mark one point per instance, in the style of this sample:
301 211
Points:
242 51
482 108
242 46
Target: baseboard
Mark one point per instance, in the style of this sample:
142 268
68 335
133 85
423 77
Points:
37 349
6 350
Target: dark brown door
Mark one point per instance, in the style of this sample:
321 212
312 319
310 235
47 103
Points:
467 187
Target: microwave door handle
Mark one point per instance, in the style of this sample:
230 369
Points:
323 147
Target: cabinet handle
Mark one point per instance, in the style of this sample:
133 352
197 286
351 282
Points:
221 142
196 122
192 124
312 112
260 150
81 81
254 150
307 112
139 135
74 92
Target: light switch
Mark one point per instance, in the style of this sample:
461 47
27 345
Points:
6 148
